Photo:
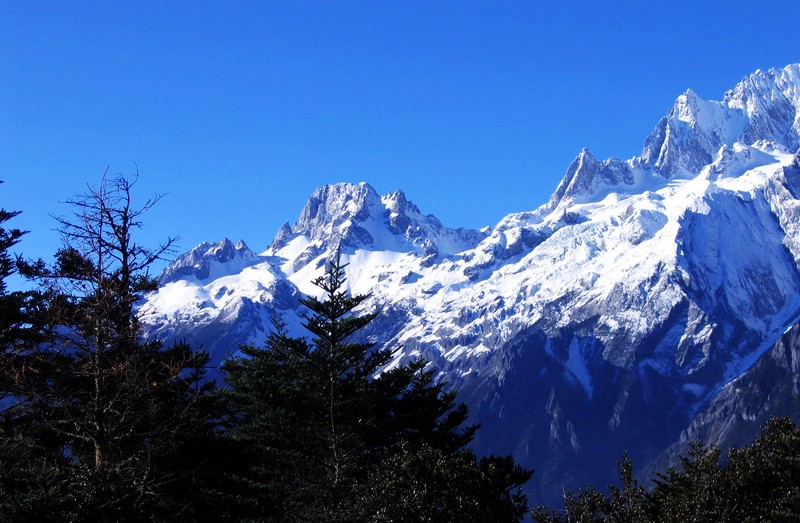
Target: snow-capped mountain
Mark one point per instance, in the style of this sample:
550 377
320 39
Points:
223 295
209 261
607 319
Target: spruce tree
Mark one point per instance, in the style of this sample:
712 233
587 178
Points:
332 438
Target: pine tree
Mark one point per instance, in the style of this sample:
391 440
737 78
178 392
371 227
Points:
118 417
331 438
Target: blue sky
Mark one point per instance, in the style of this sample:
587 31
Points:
239 110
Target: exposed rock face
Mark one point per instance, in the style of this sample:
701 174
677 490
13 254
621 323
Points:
764 106
609 319
736 414
586 175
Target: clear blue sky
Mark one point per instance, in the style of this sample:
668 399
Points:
239 110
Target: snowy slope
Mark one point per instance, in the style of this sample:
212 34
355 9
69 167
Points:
608 317
223 295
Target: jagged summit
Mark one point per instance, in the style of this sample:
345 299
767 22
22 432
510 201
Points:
763 107
338 211
355 216
209 260
586 174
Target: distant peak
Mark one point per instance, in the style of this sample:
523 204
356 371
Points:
586 175
224 250
334 203
397 204
397 195
198 262
282 237
342 193
585 156
764 106
355 216
579 173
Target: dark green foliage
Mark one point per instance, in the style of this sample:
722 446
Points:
30 487
331 440
759 482
122 429
629 502
11 305
414 409
15 307
422 483
102 425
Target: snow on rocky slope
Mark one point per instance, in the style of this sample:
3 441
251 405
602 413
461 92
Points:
602 321
735 416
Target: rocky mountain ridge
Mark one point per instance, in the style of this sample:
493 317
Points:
607 319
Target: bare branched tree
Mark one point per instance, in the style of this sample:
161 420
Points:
117 408
101 262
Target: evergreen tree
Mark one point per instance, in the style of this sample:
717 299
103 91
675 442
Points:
331 438
119 418
758 482
12 305
28 487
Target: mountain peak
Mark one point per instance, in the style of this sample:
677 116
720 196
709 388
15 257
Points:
355 216
771 102
337 213
586 175
763 106
397 203
578 176
687 107
283 237
209 259
335 202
